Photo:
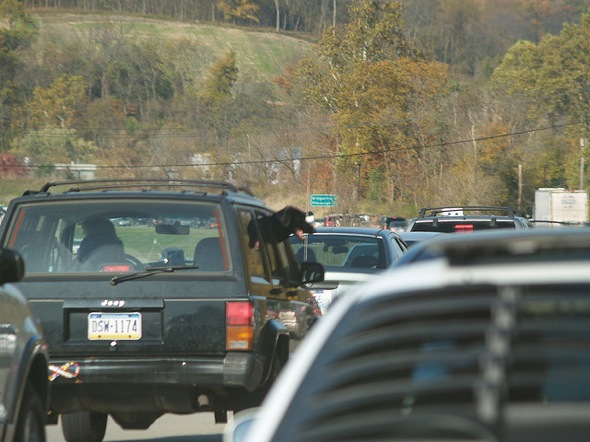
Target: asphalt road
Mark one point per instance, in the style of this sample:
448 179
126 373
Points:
198 427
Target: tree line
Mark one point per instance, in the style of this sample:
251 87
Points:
400 105
283 15
454 31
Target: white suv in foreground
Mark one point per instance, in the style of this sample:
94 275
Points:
488 340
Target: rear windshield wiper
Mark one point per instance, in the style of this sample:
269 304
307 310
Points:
149 271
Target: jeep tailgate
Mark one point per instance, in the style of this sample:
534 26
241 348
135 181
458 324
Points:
133 318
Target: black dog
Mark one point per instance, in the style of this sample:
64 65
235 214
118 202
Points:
286 221
278 226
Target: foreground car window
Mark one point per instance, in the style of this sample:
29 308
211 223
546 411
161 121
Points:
123 236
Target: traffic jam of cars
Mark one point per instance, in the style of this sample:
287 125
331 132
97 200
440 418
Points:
479 331
464 323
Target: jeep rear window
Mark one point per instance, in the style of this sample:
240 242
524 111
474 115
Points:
120 236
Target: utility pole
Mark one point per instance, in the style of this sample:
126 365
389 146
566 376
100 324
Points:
582 173
519 204
582 145
308 186
357 188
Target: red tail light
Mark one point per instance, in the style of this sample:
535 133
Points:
464 228
239 320
116 268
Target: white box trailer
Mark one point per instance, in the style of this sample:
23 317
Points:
560 206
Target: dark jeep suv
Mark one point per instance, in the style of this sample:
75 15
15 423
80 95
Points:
467 219
156 297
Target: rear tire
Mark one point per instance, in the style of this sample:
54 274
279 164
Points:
253 399
31 419
84 426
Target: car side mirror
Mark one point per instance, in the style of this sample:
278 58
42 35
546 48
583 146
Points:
12 266
312 272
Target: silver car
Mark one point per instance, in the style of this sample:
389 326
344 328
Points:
23 360
350 255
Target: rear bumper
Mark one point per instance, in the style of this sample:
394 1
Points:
172 385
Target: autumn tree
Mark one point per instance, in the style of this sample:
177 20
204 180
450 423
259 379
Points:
59 104
552 78
216 96
45 147
16 37
369 76
239 11
52 114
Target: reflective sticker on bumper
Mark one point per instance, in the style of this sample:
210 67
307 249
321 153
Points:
69 370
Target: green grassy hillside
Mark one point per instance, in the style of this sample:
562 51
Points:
263 53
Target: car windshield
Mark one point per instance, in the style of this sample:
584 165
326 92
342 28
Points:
344 251
119 236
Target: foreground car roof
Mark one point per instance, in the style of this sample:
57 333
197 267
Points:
344 376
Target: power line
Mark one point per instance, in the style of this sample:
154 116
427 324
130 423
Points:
320 157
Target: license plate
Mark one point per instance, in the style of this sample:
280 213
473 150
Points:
123 326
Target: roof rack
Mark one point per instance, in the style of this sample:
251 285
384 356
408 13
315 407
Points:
123 183
434 211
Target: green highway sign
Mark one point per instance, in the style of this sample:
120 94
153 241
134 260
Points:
323 200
